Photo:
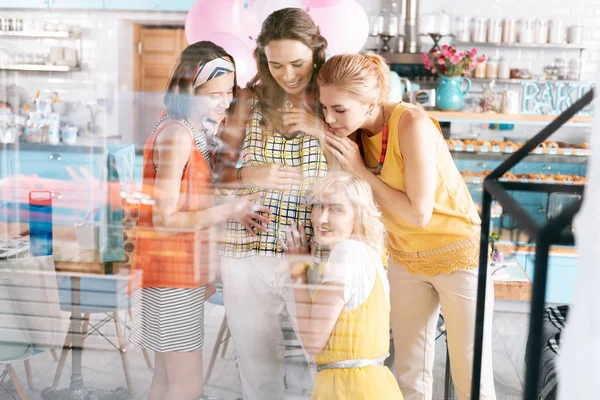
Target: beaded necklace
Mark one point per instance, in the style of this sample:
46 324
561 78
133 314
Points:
384 143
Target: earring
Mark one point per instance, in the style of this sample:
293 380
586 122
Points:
370 112
315 65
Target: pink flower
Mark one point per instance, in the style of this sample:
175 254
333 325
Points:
433 70
473 52
424 57
481 59
445 47
428 64
441 61
446 53
461 55
454 59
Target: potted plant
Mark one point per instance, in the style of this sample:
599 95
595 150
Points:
495 255
452 67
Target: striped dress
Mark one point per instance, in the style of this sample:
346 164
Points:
168 300
289 207
168 319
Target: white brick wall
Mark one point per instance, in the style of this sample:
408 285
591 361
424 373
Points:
107 51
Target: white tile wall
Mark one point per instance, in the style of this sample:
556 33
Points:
108 52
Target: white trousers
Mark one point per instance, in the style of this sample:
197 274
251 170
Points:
416 301
257 291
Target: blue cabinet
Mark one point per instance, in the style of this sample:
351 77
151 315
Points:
76 4
157 5
562 274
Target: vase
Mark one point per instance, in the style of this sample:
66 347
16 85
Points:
450 95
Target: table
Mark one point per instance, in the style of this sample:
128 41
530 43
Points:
68 257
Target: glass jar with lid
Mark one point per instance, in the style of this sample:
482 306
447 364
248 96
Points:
503 69
491 70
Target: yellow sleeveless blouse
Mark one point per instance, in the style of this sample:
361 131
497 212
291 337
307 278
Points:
360 333
450 241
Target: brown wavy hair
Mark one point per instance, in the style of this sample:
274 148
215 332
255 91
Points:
291 24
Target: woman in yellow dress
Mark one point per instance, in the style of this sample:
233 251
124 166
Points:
432 225
345 324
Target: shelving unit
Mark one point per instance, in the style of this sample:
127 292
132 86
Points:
55 35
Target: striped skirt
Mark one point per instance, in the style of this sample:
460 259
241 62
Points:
168 319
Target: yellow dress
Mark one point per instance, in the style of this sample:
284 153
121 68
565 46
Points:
360 333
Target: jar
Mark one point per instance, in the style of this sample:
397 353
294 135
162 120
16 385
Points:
540 31
491 70
479 32
480 70
509 31
556 32
574 34
494 31
561 68
526 31
462 30
503 69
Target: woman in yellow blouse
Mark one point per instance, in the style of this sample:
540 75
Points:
346 322
431 221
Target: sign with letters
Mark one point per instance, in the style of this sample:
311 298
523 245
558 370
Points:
553 97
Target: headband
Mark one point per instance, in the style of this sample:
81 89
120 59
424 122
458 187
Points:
212 69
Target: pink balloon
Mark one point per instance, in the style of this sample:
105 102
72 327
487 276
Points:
244 62
231 16
344 35
321 3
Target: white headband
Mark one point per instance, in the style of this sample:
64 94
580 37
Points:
212 69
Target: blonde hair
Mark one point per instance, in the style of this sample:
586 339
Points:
368 227
365 76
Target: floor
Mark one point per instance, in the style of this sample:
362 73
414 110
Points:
102 366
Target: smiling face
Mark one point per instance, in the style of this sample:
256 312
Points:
333 217
214 97
290 64
342 111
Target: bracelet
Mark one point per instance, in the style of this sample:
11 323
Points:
239 176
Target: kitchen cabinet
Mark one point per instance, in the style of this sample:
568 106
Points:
23 4
158 5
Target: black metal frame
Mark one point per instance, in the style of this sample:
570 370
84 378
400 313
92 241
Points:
552 233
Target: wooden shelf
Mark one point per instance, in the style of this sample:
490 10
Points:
498 118
519 81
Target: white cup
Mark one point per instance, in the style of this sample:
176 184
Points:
69 135
510 102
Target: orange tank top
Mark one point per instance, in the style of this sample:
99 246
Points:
182 260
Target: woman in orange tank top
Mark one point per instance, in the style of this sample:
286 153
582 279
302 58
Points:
431 222
175 247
